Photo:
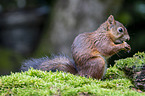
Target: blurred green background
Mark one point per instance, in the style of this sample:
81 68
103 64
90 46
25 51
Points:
35 28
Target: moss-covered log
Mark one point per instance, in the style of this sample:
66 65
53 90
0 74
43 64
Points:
134 68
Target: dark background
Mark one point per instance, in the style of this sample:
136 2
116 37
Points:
35 28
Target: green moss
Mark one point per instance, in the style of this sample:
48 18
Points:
136 62
37 82
114 73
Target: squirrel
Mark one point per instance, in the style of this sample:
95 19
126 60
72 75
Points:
90 51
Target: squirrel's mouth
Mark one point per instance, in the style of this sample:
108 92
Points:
118 42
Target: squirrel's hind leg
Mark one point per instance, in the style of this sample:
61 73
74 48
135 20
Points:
94 67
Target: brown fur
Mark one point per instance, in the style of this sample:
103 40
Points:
90 50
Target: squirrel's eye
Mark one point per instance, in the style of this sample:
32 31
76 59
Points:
120 29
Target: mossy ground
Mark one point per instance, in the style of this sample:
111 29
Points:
42 83
36 82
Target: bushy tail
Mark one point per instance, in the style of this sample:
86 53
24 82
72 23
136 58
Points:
34 63
60 63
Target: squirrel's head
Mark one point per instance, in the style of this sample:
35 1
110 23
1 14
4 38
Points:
117 32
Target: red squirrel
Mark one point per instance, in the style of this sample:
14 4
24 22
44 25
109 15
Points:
90 51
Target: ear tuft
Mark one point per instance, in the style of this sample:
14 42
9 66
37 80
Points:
111 19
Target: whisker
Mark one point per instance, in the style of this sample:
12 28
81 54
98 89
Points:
117 54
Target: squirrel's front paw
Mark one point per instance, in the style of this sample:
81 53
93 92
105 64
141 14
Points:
126 47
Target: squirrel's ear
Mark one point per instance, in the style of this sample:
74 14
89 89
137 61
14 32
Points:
111 20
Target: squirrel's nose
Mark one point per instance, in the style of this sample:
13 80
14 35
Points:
128 38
